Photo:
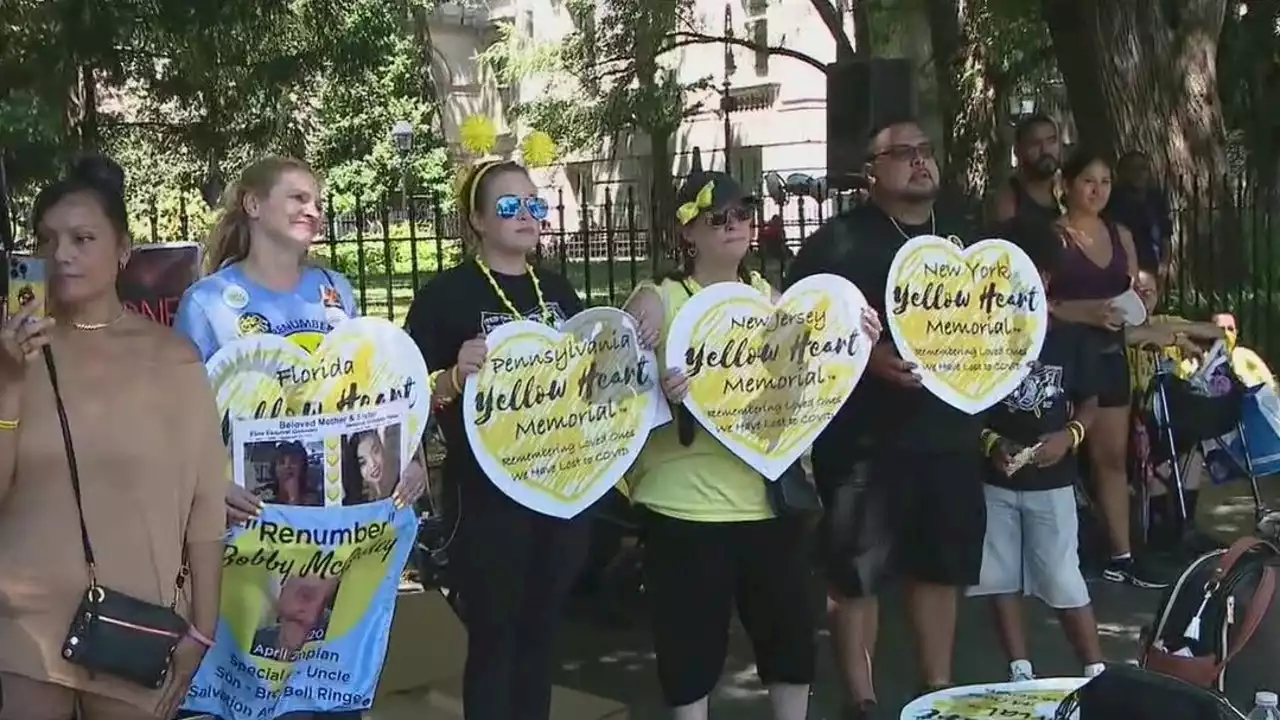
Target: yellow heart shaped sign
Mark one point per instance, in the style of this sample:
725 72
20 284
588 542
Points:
971 320
765 379
556 417
364 362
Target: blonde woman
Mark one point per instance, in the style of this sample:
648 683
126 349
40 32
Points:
263 282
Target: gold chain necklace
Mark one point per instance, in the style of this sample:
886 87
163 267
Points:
101 325
537 291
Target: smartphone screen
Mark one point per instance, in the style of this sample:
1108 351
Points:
26 284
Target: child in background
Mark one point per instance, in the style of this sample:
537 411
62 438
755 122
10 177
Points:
1032 544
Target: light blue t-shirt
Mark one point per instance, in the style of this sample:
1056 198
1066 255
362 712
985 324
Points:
228 305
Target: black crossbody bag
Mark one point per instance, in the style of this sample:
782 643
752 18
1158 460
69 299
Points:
112 633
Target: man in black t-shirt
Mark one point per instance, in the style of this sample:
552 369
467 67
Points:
1031 194
901 470
1032 543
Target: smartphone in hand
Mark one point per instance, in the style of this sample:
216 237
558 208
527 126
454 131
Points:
27 284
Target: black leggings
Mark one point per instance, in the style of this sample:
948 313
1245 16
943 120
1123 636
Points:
513 569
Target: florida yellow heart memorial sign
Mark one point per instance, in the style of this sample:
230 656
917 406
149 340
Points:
555 417
971 320
362 363
765 378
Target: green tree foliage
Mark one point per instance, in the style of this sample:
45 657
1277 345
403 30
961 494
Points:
186 93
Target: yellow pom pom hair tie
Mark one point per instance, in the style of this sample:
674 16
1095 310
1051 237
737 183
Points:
478 135
538 149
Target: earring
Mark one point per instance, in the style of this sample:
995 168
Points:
691 250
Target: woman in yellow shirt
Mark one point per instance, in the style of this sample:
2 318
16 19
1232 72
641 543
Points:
712 537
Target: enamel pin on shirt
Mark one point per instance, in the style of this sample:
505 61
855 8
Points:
235 297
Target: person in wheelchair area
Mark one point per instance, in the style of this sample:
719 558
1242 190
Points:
1032 543
1173 339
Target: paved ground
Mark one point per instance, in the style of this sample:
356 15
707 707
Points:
618 662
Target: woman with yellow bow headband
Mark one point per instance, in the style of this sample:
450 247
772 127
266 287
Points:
713 539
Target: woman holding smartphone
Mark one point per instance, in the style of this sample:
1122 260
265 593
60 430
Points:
141 432
514 567
713 540
263 282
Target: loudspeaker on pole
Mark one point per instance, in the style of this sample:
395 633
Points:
861 95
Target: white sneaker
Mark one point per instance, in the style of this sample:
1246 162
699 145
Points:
1020 671
1094 670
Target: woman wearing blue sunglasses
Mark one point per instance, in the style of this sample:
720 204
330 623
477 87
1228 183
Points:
513 567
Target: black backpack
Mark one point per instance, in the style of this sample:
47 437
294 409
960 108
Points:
1217 626
1130 693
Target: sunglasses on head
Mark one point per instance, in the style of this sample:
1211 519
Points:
508 206
722 218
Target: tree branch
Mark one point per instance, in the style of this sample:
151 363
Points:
831 18
684 39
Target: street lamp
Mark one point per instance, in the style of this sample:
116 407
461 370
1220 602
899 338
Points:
402 134
726 97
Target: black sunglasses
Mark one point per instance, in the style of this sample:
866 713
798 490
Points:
738 214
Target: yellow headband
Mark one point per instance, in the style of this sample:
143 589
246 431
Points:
476 174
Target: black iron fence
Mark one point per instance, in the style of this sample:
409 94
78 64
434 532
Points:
1226 248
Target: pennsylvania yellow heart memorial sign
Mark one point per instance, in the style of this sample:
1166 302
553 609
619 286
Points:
362 363
765 378
555 417
971 319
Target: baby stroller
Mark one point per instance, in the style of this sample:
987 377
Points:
1181 416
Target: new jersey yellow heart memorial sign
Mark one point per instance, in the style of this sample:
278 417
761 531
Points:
766 378
361 363
555 417
971 319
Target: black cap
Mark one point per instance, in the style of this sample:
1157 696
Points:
725 191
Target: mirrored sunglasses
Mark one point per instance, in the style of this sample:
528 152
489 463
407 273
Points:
508 206
737 213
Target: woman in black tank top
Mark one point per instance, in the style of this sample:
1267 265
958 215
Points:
1099 264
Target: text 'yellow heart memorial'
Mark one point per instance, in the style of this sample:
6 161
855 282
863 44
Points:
971 320
765 379
555 417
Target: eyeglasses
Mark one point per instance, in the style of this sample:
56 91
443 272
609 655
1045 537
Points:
508 206
906 153
736 214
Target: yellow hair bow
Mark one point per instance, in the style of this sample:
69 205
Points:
688 211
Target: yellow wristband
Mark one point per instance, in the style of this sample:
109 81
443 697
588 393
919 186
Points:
1076 428
8 424
457 384
434 379
989 440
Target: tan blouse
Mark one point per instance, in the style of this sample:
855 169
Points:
153 473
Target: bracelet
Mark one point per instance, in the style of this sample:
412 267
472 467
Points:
457 384
199 637
9 424
434 379
1076 428
989 440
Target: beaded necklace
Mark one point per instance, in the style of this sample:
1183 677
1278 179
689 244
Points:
537 290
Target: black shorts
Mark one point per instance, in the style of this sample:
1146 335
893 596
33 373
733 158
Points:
696 572
937 513
854 536
1112 382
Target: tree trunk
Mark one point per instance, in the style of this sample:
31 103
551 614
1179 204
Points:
965 95
1142 75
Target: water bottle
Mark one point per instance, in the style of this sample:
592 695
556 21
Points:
1265 706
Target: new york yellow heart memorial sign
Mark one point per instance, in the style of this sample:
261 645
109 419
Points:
363 362
971 320
766 378
555 417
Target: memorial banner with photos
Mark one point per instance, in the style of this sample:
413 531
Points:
765 378
1029 700
972 320
555 417
308 593
362 363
